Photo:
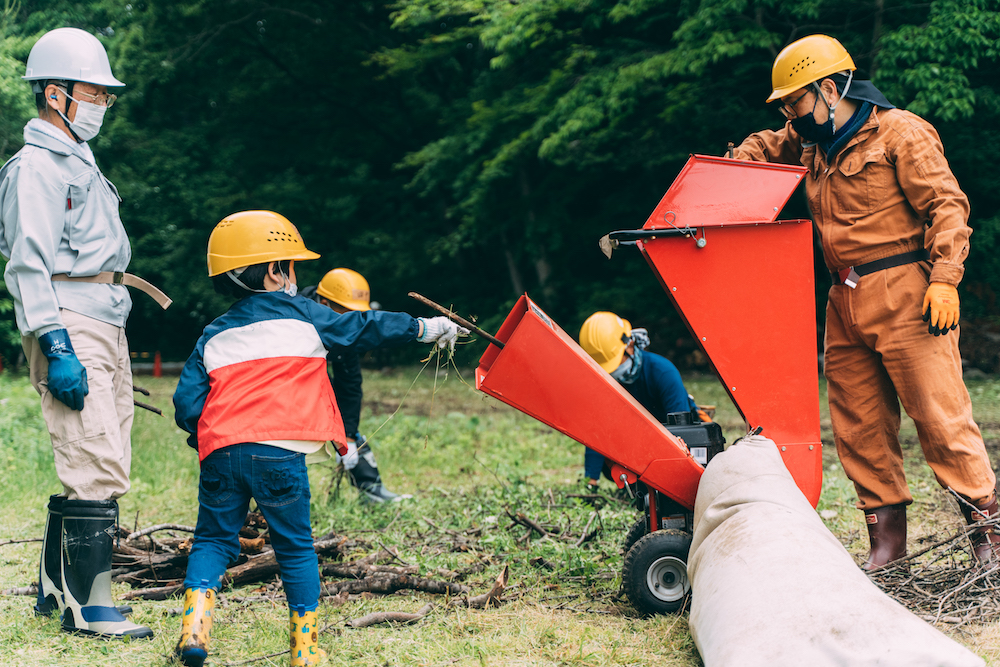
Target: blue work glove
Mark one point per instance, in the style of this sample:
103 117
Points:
67 376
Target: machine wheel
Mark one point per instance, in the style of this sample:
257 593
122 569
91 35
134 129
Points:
634 534
655 573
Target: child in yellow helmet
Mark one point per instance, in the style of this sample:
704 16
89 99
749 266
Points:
258 405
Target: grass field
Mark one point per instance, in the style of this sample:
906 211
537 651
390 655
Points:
466 458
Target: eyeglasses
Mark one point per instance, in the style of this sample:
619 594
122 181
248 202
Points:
787 109
100 99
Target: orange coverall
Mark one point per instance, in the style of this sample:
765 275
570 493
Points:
889 191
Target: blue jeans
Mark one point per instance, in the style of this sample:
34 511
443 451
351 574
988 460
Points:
276 478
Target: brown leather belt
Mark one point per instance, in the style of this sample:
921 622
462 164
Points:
852 274
119 278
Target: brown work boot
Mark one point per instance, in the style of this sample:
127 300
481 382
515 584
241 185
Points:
986 540
887 533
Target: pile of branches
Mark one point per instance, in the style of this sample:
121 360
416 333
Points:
155 566
943 583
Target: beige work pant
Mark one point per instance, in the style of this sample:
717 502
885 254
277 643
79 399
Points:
93 447
878 353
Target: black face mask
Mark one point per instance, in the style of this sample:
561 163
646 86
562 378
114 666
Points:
811 131
806 125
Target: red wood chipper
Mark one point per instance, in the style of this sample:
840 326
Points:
714 232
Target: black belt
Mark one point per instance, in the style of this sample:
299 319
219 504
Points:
852 274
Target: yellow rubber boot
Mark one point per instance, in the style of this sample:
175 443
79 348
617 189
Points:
196 625
304 638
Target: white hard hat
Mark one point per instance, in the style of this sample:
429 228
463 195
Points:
70 54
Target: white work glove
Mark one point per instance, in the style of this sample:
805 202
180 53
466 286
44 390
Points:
350 459
442 331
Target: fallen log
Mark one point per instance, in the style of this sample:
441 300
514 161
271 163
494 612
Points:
158 593
266 564
260 567
389 617
359 570
146 559
153 529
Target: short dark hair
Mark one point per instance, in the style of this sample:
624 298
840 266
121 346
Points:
252 277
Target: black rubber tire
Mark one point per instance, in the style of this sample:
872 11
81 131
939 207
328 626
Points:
655 572
634 534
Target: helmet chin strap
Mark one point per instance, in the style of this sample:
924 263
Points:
235 274
840 98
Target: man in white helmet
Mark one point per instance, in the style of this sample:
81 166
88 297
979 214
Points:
67 252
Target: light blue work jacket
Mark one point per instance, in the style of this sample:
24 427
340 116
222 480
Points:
59 214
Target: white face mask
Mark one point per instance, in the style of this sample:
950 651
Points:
89 118
289 288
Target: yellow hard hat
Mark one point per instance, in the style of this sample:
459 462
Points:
346 287
604 336
254 237
807 60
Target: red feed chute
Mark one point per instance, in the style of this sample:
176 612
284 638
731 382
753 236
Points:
542 372
747 294
742 281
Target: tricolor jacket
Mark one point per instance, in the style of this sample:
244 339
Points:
258 372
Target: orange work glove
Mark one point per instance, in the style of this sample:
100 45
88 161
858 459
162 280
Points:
941 308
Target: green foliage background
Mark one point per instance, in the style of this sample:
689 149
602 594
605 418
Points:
474 149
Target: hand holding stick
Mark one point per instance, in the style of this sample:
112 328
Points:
456 318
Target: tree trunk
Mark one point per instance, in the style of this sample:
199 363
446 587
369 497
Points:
515 274
543 269
876 34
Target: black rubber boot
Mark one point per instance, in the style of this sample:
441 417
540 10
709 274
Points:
50 594
887 534
366 478
50 598
89 530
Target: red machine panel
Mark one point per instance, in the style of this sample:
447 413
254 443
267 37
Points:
745 290
714 192
542 372
747 294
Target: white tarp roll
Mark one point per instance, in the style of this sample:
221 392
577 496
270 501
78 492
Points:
773 587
